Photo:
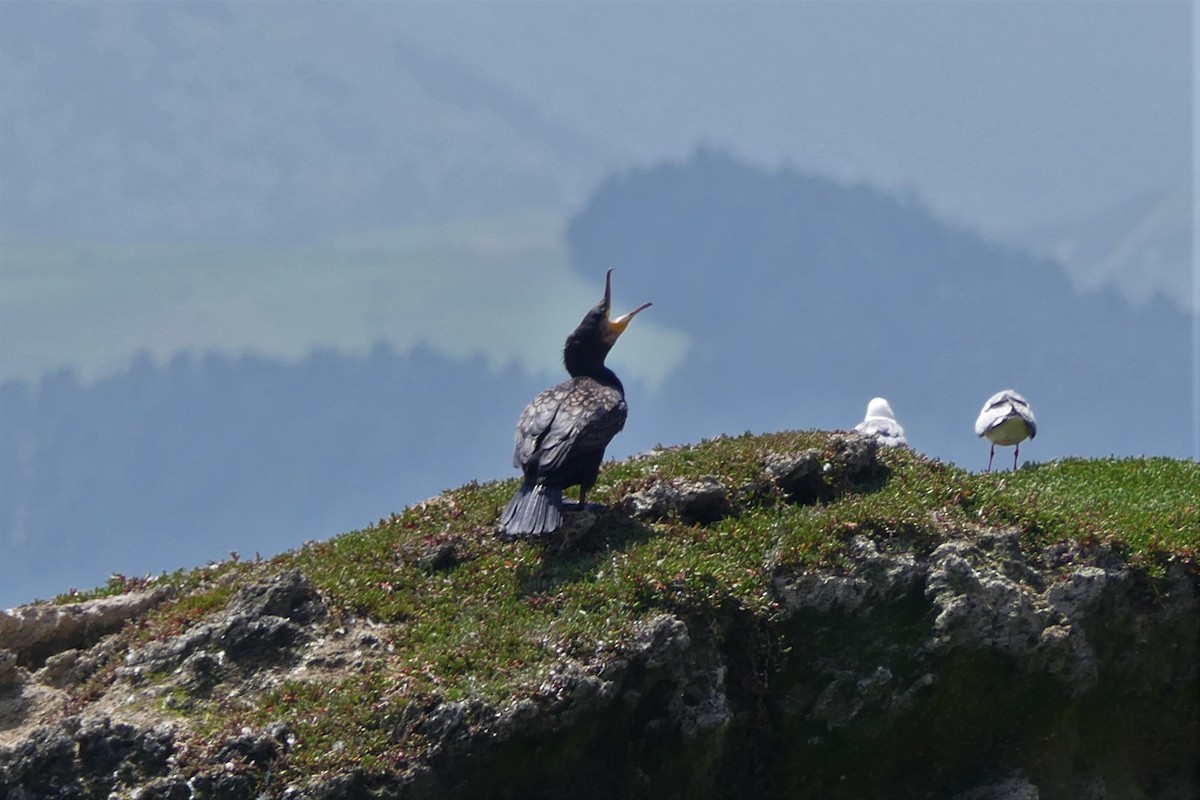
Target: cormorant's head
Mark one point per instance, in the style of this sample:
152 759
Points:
597 333
610 329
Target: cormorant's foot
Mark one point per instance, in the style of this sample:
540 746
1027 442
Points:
593 507
505 535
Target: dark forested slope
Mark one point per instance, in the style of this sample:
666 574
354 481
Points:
806 297
165 466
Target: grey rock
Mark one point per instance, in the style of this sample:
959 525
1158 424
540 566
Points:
799 476
287 594
986 596
811 476
68 668
36 632
660 641
522 717
848 693
698 703
576 527
1080 591
856 456
1011 788
223 784
703 501
441 556
10 672
261 624
201 671
875 577
656 502
445 721
576 693
169 788
85 757
249 749
697 502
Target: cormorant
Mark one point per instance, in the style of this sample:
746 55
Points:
881 423
1006 420
561 435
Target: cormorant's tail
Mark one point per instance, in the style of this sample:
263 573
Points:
535 510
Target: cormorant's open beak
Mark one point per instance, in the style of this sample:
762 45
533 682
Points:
622 322
615 327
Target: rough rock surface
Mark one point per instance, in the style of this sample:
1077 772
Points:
974 670
34 632
811 476
701 501
260 624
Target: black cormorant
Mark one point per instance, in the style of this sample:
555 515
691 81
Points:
561 435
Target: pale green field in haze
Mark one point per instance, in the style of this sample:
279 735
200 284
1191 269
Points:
500 287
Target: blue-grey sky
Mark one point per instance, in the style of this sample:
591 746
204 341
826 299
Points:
1008 115
1013 118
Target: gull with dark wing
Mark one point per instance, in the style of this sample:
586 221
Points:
1006 420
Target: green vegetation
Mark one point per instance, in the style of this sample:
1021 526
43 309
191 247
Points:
462 615
1147 507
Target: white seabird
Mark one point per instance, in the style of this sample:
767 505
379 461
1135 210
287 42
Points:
881 423
1006 420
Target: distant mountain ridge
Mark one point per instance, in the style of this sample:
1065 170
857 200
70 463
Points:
193 123
1142 247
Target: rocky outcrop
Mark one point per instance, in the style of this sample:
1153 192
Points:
33 633
805 477
975 671
978 657
976 668
812 475
93 754
697 502
261 624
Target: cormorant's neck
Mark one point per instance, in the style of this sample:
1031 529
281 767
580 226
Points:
587 365
584 354
605 376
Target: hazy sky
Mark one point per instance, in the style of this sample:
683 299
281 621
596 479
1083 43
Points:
1008 114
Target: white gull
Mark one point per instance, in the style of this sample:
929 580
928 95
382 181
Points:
1006 420
881 423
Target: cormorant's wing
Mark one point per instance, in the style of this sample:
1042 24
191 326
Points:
573 417
535 422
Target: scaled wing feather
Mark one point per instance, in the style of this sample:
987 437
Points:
570 418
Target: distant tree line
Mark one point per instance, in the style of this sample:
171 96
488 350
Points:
168 466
